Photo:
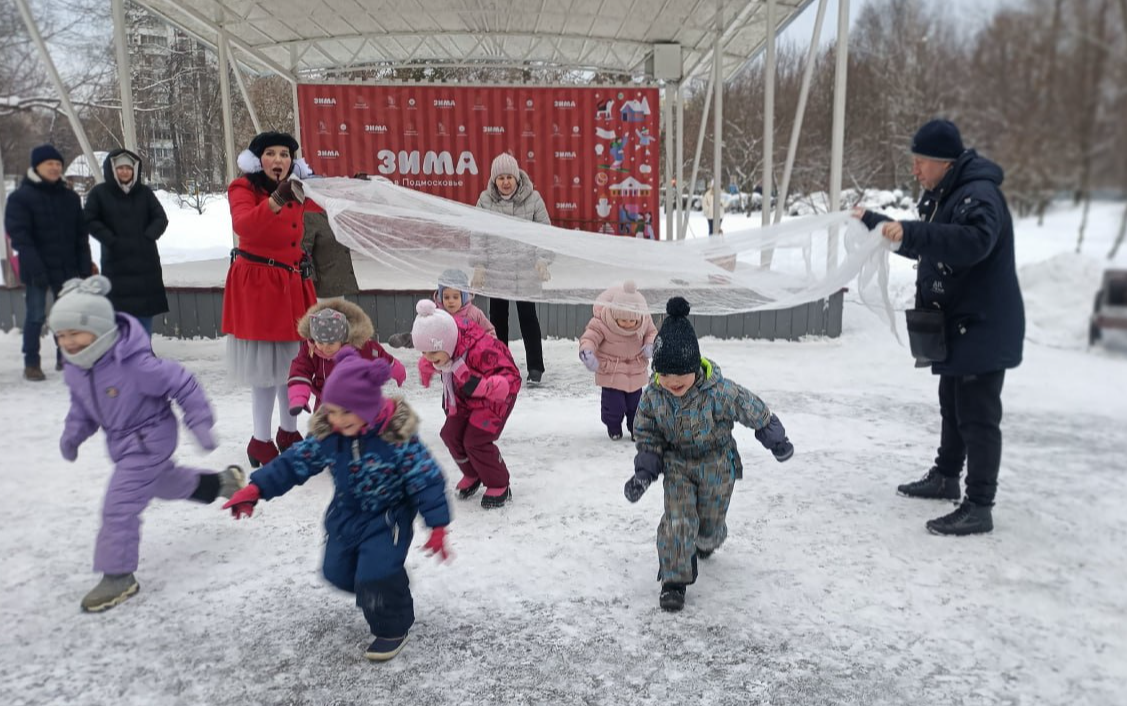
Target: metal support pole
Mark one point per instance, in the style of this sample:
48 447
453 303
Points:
800 111
667 118
61 89
767 183
246 94
837 147
293 86
225 97
124 77
696 155
681 217
718 119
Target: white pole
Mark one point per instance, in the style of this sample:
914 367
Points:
246 94
767 182
800 111
667 117
837 147
124 77
700 146
225 97
61 89
681 216
717 118
293 86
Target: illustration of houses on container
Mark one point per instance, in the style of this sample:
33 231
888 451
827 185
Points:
630 187
635 111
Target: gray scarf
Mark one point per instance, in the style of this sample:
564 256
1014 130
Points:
91 354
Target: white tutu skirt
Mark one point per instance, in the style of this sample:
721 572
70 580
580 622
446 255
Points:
260 363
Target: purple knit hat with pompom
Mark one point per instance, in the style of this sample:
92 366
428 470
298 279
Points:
356 384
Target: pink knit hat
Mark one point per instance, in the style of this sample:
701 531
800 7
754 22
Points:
356 384
434 329
628 303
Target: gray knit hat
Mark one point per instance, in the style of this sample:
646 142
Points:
83 306
504 163
328 326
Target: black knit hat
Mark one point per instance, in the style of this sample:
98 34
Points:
676 351
272 139
42 153
938 139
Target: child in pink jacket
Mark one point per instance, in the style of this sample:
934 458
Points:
454 296
617 346
480 383
327 327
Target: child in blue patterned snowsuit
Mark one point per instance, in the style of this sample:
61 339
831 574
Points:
684 431
383 476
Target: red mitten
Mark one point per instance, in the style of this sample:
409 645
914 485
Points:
399 373
242 502
494 389
426 371
436 545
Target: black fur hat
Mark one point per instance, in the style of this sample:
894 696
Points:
271 139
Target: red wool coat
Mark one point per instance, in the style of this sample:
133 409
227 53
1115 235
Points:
262 302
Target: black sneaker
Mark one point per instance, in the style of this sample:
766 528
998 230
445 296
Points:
672 597
534 376
492 502
933 486
968 518
384 648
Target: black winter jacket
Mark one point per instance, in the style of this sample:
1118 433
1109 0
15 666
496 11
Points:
128 226
45 223
965 248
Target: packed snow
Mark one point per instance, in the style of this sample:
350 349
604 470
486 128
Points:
828 590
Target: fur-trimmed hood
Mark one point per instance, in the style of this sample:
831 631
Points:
360 327
398 422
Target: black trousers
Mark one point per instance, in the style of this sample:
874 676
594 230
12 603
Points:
971 410
529 329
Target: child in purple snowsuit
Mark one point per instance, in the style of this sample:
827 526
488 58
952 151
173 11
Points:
118 385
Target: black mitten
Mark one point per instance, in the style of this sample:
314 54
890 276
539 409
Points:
636 487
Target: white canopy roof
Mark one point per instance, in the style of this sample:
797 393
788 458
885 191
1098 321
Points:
301 38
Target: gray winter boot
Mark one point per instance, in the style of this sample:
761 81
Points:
401 340
110 591
231 480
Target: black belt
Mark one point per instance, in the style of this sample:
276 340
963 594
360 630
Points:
300 270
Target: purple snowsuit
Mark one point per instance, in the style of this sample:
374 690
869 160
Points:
127 394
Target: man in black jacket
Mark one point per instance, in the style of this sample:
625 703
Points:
964 245
126 217
44 220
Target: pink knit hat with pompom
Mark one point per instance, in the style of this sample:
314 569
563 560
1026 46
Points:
434 329
628 303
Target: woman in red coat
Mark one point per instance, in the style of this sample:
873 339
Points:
265 292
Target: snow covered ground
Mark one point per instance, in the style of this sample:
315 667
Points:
828 591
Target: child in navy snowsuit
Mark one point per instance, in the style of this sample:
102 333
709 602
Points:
383 475
118 385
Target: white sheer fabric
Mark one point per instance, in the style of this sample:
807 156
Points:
425 235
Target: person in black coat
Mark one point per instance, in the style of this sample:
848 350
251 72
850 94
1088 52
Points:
964 246
44 219
125 216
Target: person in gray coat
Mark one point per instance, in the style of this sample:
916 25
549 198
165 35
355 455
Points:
520 268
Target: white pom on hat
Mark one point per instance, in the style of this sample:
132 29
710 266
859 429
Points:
434 329
301 168
249 163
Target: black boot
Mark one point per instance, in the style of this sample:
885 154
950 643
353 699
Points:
704 553
968 518
933 486
672 597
